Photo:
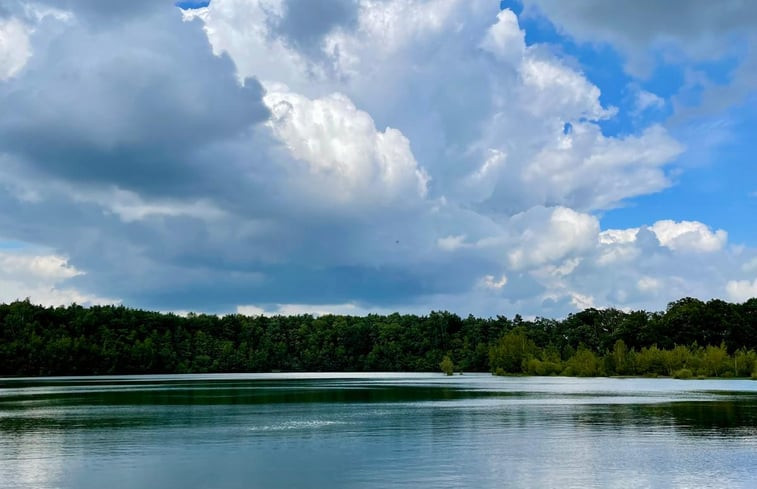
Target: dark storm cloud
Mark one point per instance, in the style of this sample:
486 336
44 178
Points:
141 105
96 13
182 263
287 284
307 21
702 29
108 10
126 105
645 19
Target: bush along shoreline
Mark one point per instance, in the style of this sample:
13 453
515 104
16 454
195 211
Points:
690 339
516 354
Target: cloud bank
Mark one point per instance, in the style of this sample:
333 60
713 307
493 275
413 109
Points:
350 156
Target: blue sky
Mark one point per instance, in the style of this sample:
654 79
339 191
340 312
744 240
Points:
529 156
717 186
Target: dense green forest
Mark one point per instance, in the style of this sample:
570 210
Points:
691 338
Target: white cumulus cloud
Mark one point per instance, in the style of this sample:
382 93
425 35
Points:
494 283
347 309
741 290
548 235
689 236
15 47
41 278
348 159
505 39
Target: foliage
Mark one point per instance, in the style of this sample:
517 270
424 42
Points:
512 352
706 338
447 366
584 363
683 373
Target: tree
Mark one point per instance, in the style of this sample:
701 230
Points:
620 358
447 366
511 352
584 363
715 359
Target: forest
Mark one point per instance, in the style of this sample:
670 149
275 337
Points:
691 338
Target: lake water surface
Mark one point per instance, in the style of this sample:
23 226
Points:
378 430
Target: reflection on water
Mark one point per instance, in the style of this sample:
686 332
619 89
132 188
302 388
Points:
357 430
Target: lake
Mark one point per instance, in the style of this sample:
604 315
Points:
376 430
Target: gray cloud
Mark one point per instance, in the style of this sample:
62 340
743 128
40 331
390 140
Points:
129 105
305 22
106 12
646 20
699 28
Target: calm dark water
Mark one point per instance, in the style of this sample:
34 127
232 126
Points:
361 431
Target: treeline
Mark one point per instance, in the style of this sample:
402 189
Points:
704 338
515 353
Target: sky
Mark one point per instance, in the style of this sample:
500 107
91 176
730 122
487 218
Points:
370 156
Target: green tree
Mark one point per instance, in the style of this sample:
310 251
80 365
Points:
447 366
584 363
511 352
715 359
620 363
744 362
